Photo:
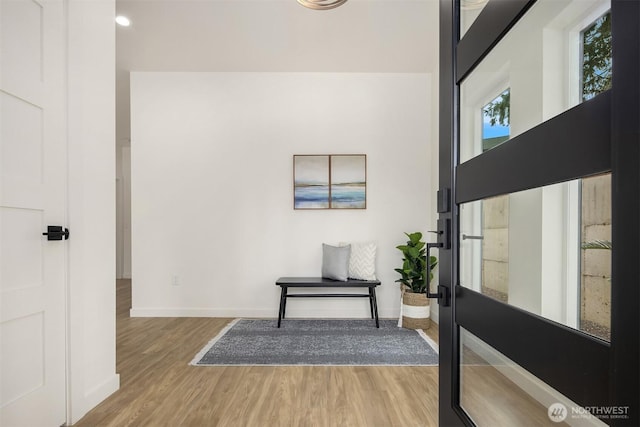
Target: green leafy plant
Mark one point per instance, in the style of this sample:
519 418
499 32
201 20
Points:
414 264
498 110
596 57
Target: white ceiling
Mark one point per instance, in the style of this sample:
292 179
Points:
272 35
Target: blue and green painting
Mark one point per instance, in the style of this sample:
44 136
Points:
311 182
329 182
348 182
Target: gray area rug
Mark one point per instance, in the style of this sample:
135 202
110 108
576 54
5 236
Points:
317 342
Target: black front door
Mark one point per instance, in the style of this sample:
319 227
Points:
540 189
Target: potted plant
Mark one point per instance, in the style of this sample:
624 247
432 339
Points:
414 311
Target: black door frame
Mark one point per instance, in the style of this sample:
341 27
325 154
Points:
615 144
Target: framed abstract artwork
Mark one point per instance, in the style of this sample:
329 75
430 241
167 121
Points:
330 181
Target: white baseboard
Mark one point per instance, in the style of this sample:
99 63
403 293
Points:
102 391
383 313
435 315
94 397
199 312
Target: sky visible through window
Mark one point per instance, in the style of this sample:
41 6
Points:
495 121
493 131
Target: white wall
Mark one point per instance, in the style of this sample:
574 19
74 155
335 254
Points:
525 250
212 203
91 108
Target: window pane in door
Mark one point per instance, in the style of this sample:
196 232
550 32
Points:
596 60
596 247
550 61
495 391
546 250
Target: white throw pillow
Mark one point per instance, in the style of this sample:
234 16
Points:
362 263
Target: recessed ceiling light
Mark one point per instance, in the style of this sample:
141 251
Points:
123 21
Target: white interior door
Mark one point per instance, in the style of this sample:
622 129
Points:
32 196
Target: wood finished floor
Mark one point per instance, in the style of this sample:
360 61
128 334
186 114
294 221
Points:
159 388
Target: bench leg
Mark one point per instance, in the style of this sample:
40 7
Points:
375 306
283 302
371 301
284 307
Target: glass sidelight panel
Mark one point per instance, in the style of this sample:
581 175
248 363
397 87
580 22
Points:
595 261
556 56
484 247
546 250
495 391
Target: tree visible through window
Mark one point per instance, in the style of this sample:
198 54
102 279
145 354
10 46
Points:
495 121
596 57
595 288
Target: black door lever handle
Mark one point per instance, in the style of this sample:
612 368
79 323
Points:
442 293
55 232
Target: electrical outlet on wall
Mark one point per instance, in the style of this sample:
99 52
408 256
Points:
175 281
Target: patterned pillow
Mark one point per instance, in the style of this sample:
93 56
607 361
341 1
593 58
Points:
362 264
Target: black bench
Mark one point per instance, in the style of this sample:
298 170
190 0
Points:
319 282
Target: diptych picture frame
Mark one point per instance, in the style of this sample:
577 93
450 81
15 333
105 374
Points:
330 181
